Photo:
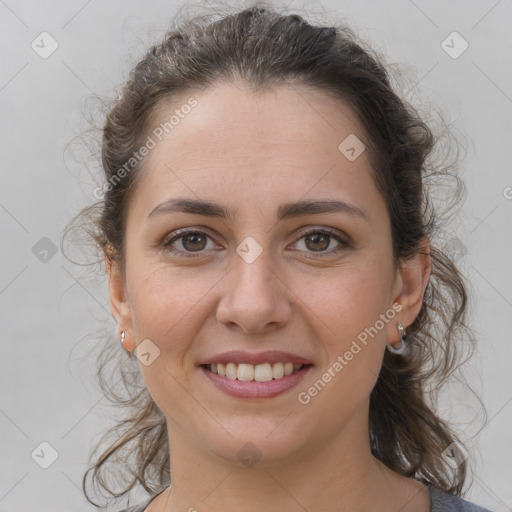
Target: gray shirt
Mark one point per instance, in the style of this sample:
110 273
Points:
441 502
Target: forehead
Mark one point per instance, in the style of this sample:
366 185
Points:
236 142
291 113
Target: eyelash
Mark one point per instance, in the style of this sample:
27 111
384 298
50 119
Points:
187 232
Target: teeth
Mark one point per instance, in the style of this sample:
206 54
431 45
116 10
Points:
263 372
278 370
245 372
231 371
259 372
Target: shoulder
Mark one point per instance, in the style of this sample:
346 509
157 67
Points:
444 502
441 502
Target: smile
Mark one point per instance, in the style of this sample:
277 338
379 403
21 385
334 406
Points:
259 372
264 380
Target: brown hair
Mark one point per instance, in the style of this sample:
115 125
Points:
264 47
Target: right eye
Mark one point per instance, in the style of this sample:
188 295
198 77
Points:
192 242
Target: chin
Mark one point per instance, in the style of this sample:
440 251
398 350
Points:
267 444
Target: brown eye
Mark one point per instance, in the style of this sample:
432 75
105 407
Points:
188 243
193 242
317 241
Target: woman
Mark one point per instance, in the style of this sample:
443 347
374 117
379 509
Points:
273 272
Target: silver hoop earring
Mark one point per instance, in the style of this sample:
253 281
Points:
404 346
122 336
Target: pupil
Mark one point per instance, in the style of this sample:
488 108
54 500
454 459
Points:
316 237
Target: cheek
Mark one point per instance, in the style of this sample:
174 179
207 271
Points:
347 299
167 306
345 307
168 309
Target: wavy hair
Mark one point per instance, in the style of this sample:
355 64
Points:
264 47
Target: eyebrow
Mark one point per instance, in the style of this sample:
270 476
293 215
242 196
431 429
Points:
285 211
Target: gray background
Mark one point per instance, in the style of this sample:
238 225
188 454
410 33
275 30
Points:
52 313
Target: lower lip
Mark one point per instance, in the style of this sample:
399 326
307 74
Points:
253 389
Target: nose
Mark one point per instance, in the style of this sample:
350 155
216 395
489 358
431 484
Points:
255 297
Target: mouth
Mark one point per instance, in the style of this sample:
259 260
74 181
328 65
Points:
265 380
247 372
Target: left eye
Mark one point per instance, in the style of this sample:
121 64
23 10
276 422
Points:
318 241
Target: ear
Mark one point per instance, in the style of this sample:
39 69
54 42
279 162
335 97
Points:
409 288
119 304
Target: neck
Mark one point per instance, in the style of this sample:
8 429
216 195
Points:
338 475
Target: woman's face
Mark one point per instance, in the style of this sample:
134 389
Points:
310 281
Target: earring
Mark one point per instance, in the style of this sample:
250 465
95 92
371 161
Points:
404 347
122 336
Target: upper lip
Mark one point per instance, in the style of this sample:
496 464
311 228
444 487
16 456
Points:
269 356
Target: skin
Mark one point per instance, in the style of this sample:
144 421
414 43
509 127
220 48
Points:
251 152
